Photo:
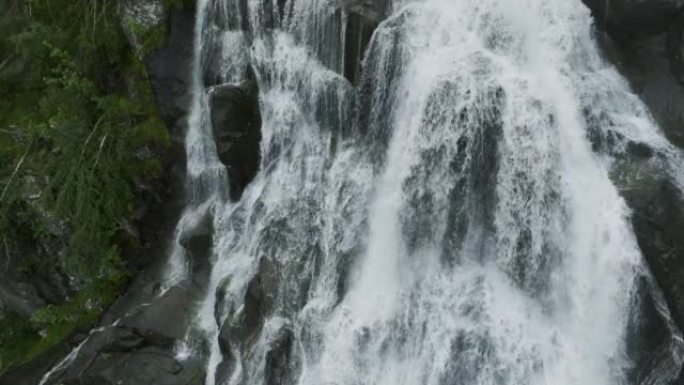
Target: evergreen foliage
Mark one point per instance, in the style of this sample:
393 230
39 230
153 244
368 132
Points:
75 109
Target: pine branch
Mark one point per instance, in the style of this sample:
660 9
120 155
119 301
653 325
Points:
14 173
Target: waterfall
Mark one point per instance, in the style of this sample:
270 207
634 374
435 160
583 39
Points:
450 219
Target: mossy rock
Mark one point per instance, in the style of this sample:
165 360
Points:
144 24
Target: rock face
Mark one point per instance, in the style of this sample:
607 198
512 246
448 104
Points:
169 68
362 19
236 122
658 220
644 39
239 328
657 217
138 349
140 18
635 17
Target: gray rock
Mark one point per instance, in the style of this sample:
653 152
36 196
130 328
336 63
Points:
278 358
140 18
243 327
675 48
128 355
658 219
18 297
148 365
635 17
236 122
645 40
167 316
363 17
169 68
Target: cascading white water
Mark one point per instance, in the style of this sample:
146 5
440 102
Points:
456 227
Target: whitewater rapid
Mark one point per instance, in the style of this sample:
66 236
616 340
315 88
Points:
446 221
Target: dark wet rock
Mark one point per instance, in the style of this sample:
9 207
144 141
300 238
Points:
658 219
148 365
31 372
241 327
358 33
198 243
363 17
19 297
223 309
650 346
645 40
236 122
675 48
225 368
635 17
278 358
169 68
167 316
261 295
128 355
377 89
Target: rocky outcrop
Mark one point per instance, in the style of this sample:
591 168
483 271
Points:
363 17
240 327
169 67
644 39
658 219
141 20
139 349
278 358
236 123
635 17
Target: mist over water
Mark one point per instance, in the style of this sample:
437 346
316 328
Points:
449 220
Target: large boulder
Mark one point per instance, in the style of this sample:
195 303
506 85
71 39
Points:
149 365
236 122
139 348
658 219
654 339
123 355
167 316
240 327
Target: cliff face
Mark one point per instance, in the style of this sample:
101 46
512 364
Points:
644 40
148 76
134 342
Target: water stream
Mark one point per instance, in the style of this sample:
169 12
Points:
446 221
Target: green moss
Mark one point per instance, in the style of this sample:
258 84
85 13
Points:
74 112
149 38
18 337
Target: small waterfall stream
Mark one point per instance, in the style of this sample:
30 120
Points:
448 220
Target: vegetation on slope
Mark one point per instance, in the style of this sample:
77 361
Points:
77 127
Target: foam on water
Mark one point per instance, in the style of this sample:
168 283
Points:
454 224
